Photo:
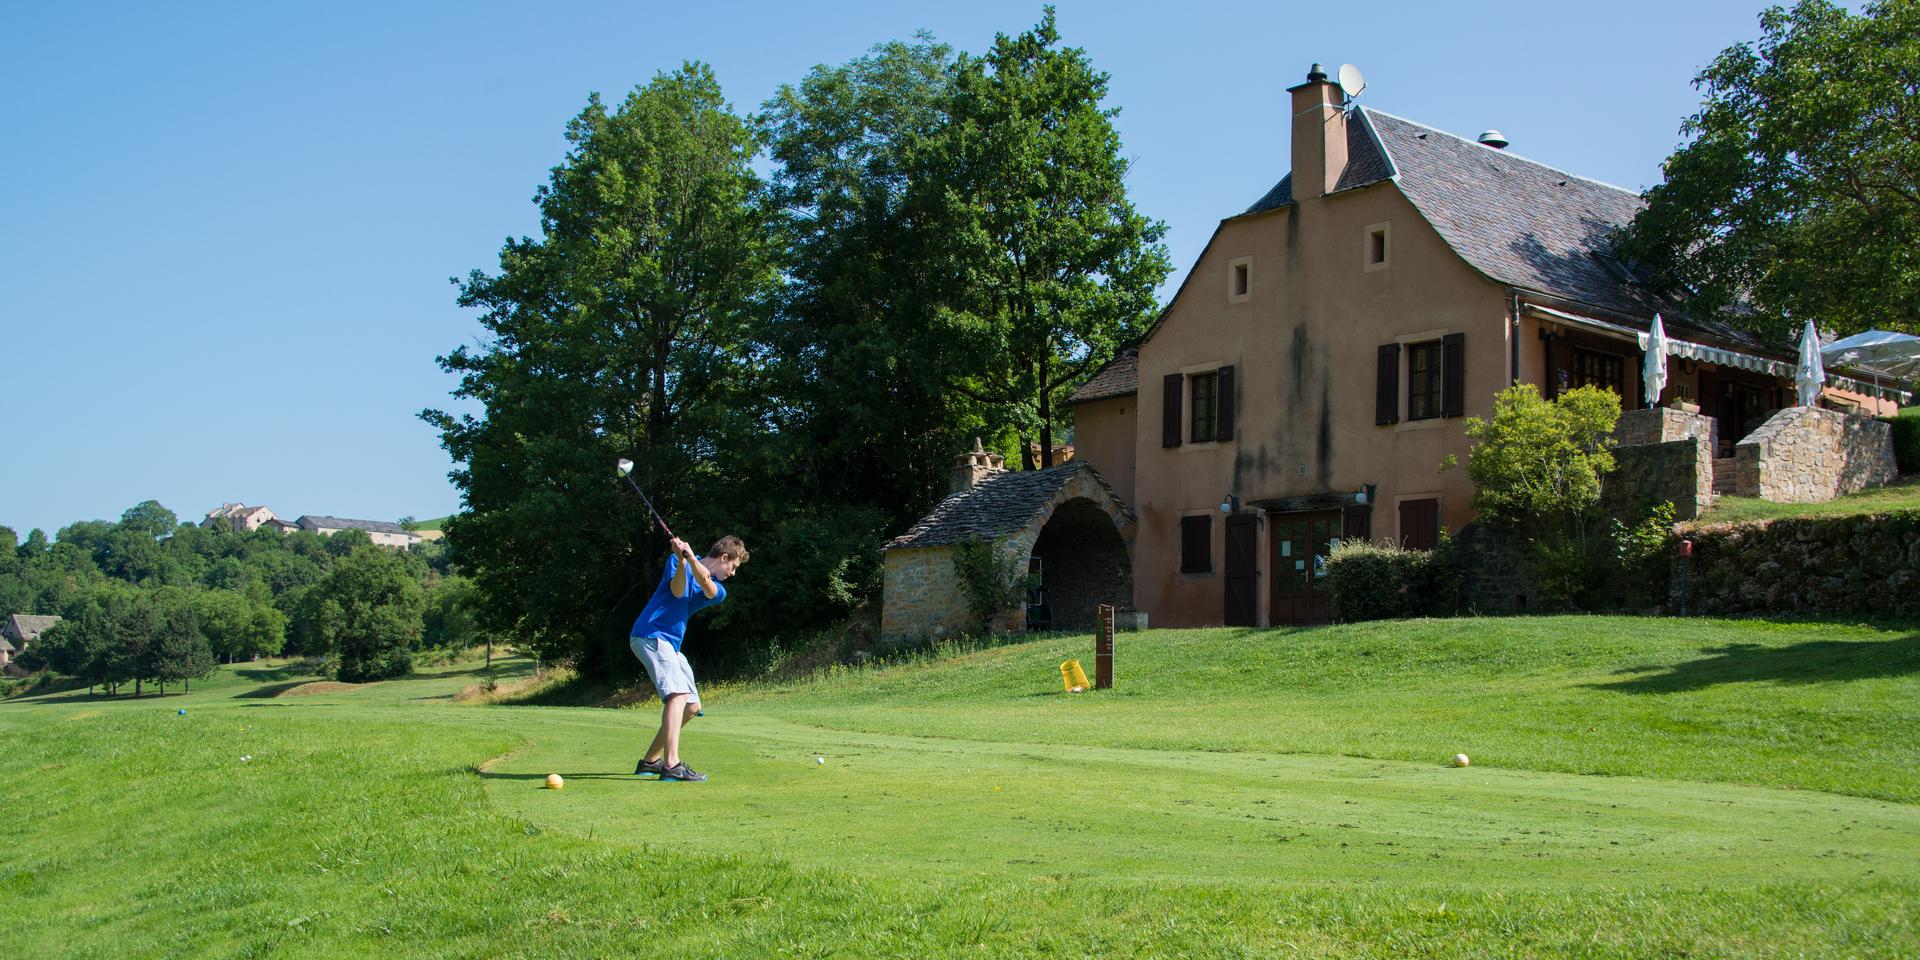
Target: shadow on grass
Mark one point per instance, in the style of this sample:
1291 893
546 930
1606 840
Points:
542 778
1819 661
272 690
82 696
285 671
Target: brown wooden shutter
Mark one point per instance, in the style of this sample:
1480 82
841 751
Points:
1419 524
1386 403
1196 544
1223 416
1243 543
1171 387
1453 380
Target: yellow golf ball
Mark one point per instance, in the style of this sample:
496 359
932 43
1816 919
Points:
554 782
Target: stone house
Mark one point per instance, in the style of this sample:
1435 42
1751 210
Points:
384 533
1319 361
1063 524
238 517
17 633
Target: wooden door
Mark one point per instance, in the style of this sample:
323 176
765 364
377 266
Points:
1301 544
1243 551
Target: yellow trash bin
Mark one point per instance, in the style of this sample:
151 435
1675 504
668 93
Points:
1073 677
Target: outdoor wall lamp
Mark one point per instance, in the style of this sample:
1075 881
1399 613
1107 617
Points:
1360 495
1229 504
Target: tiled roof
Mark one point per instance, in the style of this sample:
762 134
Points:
336 523
1528 225
991 509
1119 378
28 626
1518 222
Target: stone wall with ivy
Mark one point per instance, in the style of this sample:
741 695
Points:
1859 565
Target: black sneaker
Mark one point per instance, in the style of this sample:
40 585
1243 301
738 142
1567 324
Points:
653 767
680 771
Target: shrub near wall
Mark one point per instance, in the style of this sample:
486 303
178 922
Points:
1372 582
1858 565
1906 440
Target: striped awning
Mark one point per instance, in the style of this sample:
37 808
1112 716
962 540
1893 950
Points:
1688 350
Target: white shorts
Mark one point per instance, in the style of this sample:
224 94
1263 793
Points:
666 667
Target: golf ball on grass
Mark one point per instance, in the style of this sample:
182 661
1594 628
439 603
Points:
554 782
820 760
1460 760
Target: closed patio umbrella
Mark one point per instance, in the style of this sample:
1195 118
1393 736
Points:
1653 371
1811 374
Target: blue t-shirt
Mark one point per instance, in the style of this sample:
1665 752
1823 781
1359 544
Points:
666 615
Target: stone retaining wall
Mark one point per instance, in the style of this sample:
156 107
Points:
1859 565
1810 455
1665 455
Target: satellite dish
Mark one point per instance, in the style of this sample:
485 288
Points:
1351 82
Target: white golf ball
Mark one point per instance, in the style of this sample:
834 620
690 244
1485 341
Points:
820 760
1460 760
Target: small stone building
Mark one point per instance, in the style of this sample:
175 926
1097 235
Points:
1064 522
17 632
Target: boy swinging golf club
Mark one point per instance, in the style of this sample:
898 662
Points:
689 585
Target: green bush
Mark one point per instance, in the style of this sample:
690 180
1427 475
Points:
990 579
1906 440
1383 582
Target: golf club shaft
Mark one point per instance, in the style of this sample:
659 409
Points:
643 499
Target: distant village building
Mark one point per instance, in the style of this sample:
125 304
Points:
19 631
238 517
384 534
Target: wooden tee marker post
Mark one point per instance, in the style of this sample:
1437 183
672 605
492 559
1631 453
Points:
1103 647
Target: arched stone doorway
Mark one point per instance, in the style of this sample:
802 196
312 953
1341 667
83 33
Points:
1083 563
1066 516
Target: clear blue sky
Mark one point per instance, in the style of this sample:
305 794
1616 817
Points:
226 230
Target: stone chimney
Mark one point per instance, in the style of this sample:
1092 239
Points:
971 468
1319 135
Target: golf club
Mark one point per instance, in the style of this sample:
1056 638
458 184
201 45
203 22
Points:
626 470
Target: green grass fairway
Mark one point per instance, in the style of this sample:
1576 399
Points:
1640 788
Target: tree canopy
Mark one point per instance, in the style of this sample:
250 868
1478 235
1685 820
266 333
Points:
1798 194
624 330
1053 269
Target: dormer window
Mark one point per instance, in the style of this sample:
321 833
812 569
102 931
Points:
1374 255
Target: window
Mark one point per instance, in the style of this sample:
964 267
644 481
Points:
1423 380
1239 279
1374 252
1599 370
1198 406
1206 406
1196 544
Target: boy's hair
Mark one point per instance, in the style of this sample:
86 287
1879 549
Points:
728 547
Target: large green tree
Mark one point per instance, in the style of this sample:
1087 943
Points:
1055 268
368 615
624 329
1798 192
863 354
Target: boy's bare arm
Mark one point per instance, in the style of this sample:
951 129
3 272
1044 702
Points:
702 576
694 567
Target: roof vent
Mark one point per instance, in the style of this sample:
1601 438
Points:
1492 138
1317 75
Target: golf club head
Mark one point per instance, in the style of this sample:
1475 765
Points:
625 466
